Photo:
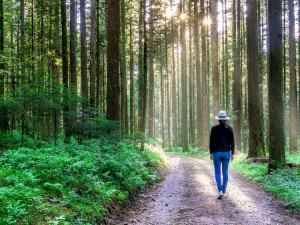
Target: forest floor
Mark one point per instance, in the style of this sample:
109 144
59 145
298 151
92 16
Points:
188 195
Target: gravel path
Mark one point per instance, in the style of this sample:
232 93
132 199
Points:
188 195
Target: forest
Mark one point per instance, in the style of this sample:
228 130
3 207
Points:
95 94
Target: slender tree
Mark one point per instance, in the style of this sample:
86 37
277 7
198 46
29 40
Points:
276 140
151 71
256 134
73 40
113 60
293 80
184 120
84 79
214 55
93 50
205 91
198 76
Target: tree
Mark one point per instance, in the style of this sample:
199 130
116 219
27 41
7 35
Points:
256 134
151 71
124 111
93 52
65 69
276 138
198 76
205 97
73 40
214 55
113 60
293 81
184 135
84 79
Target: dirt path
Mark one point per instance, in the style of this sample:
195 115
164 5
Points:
188 196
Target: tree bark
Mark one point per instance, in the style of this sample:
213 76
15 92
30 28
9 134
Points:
65 70
151 71
256 132
293 80
205 93
184 119
200 120
93 50
84 79
73 42
174 92
124 112
214 55
113 60
276 141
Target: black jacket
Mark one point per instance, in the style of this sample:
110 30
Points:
221 139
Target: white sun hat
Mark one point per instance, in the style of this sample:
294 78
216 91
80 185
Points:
222 116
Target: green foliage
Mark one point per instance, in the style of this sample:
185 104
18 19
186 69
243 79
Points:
283 183
71 184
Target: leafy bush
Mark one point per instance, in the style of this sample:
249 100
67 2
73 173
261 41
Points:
71 184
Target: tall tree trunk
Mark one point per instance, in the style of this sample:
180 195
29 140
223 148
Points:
227 97
293 80
256 134
140 68
113 60
22 40
65 70
200 120
276 141
93 49
144 85
98 59
1 50
131 64
167 88
184 119
162 103
214 55
190 77
151 71
84 79
124 113
205 92
174 92
73 42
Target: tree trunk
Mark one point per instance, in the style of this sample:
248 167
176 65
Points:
132 98
124 113
113 60
1 51
73 42
22 41
205 93
256 134
293 80
151 71
214 55
84 79
65 70
276 141
174 92
184 119
93 50
140 68
200 120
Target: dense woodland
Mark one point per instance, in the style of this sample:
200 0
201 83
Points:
162 68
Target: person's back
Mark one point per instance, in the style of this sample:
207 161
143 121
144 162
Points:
221 148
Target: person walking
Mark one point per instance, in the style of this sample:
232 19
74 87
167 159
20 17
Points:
221 148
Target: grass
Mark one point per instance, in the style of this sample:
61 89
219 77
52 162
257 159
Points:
283 184
71 184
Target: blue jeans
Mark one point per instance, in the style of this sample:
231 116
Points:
221 158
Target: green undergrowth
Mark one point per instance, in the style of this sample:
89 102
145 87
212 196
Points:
283 184
72 184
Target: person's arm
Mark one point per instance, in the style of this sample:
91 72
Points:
232 141
211 142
